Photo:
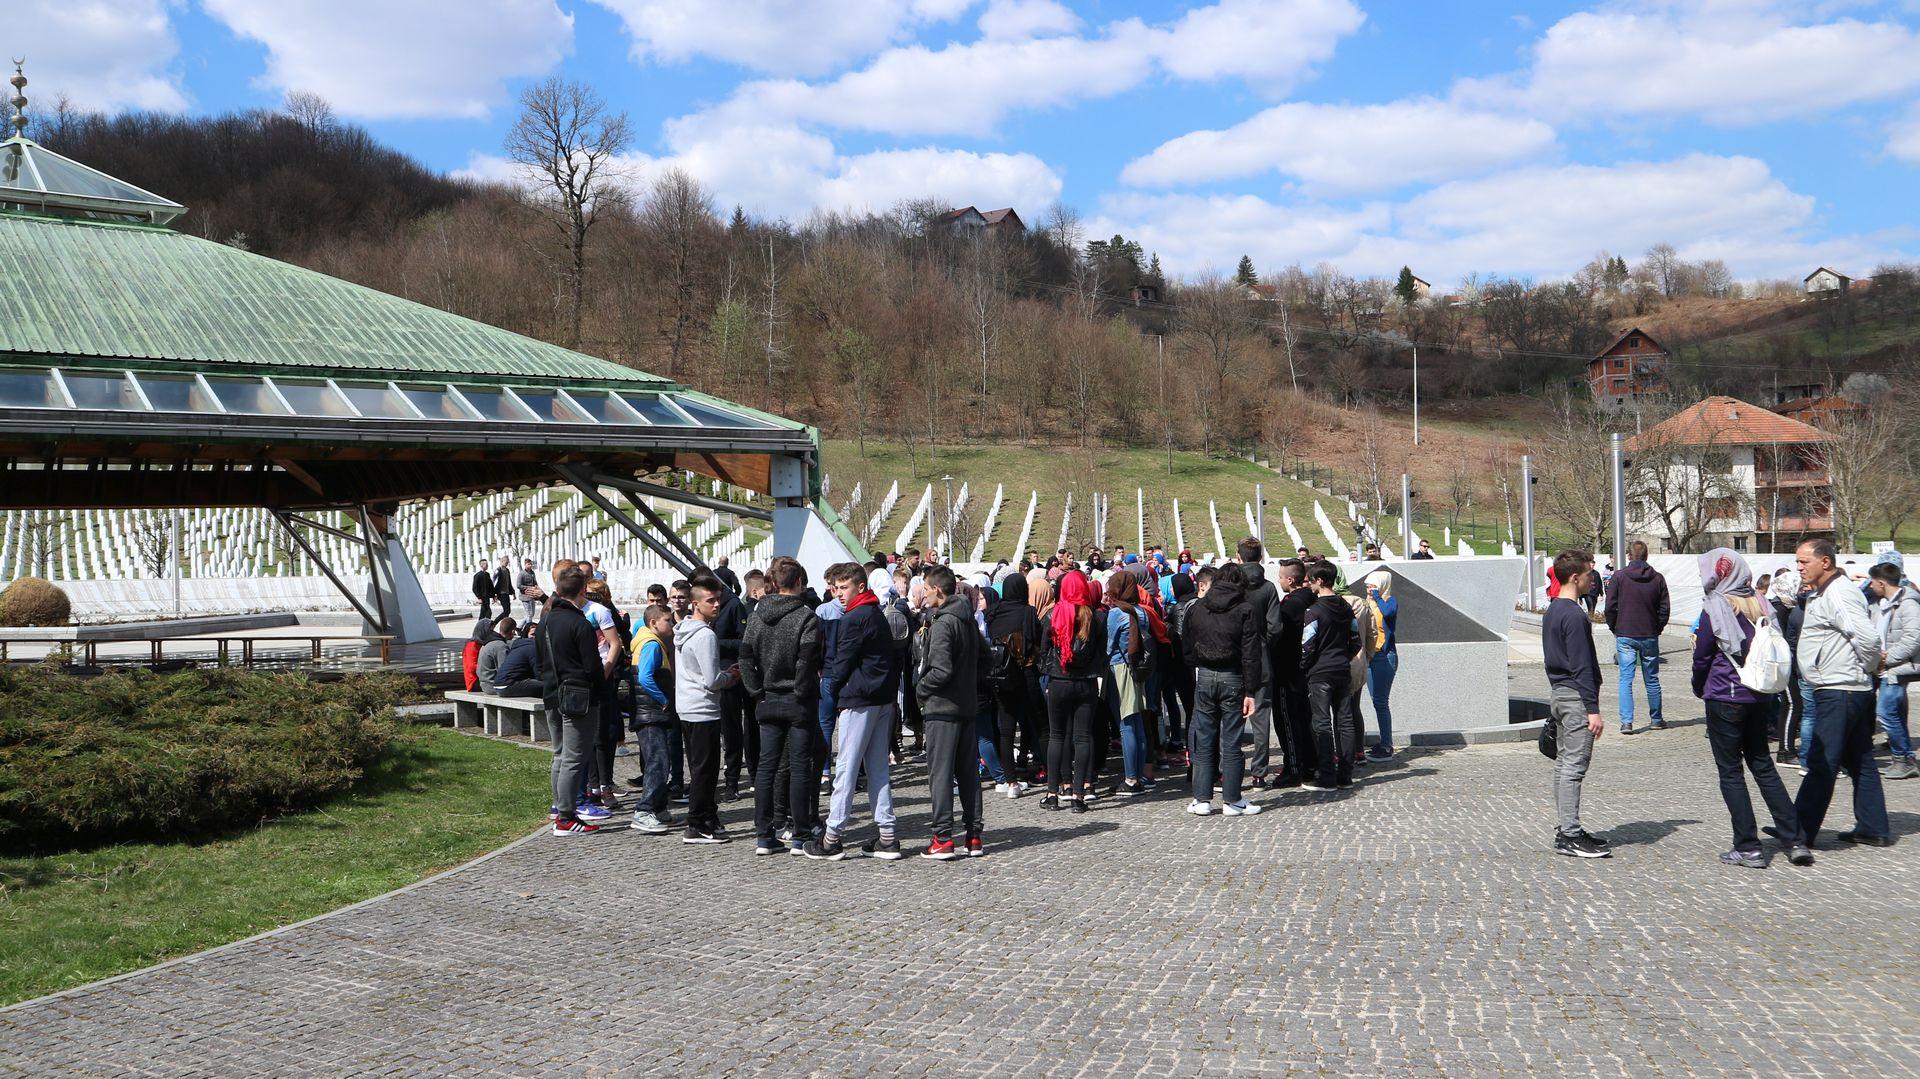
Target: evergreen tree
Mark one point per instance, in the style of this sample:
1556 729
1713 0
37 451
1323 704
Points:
1245 275
1154 276
1405 287
738 226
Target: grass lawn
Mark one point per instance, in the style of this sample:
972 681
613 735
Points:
1053 471
432 803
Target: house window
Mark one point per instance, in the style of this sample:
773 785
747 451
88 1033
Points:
1633 342
1619 384
1739 543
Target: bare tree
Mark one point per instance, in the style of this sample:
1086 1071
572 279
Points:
1212 329
1864 467
569 144
1570 453
1664 268
678 221
309 110
774 350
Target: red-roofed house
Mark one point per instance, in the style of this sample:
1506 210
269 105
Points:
966 219
1633 366
1729 473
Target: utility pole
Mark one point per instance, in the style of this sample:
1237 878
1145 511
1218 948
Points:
1140 515
1619 458
946 542
1526 519
1166 419
1260 515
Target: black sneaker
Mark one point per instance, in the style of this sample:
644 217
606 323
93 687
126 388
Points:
1579 845
695 835
767 847
826 850
887 850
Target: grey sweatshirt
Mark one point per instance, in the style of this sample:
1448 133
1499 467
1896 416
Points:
698 676
1839 647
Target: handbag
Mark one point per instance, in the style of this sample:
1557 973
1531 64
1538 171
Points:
1550 737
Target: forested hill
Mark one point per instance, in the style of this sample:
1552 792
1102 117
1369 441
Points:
900 326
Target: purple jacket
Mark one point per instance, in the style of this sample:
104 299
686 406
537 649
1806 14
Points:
1714 675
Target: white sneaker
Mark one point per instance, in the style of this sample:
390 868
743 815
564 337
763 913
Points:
1015 789
1199 808
1241 808
999 788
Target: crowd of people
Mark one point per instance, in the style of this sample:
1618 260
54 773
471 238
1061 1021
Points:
1806 640
1107 674
1029 676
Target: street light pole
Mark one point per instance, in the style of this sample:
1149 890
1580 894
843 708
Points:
1416 393
946 542
1526 519
1619 501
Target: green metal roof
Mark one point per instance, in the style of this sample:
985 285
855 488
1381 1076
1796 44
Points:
137 292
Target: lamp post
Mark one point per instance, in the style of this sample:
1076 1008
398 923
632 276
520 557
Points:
1619 501
1526 519
946 541
1416 393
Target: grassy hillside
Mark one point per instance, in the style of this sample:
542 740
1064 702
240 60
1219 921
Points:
1055 471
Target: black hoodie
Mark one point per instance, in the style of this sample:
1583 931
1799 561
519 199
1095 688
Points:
1328 644
1011 614
1221 632
780 653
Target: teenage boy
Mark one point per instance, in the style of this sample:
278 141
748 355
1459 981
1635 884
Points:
699 680
780 671
573 673
1286 621
653 717
1573 670
1222 646
948 660
680 599
1327 647
861 671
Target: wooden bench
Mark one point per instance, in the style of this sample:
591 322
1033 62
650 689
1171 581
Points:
505 717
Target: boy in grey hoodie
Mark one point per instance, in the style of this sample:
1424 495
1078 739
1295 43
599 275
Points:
947 687
698 681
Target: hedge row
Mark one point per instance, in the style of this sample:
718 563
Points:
140 755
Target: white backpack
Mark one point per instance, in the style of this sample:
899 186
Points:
1769 665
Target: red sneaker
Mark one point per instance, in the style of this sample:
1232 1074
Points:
973 847
574 827
940 850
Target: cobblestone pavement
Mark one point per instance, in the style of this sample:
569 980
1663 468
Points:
1419 926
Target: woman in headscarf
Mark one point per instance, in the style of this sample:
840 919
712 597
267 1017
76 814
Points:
1040 593
1073 659
1014 628
1737 716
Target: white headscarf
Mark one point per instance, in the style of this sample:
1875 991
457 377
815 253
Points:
881 582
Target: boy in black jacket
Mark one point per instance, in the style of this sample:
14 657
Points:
572 675
1573 670
948 691
1328 644
1222 642
861 671
780 672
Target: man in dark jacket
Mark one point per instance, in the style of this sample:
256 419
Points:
571 674
503 584
1285 622
739 739
483 591
1327 647
780 671
725 575
947 651
860 670
519 673
1637 611
1261 596
1222 643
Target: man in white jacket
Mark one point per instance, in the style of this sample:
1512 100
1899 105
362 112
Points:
1839 654
698 680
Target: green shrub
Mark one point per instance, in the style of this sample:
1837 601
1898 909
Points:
137 754
34 601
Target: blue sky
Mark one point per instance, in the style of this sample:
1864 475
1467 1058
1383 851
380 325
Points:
1461 138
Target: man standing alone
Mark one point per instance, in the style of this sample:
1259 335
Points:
1839 652
1637 611
1573 670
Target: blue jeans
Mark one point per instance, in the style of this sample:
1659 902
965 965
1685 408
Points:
1890 704
655 766
986 732
828 712
1380 674
1133 744
1806 720
1644 653
1843 742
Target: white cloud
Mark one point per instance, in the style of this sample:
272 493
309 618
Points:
781 37
424 58
784 171
100 55
1269 43
1348 148
1016 19
969 88
1539 222
1727 61
1903 138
